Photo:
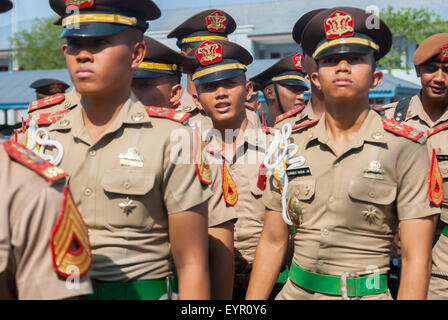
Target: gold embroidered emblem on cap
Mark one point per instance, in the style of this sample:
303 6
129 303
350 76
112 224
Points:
217 21
209 53
370 214
444 53
339 25
374 171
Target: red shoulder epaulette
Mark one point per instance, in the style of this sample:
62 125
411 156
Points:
306 124
249 106
378 108
289 114
29 159
168 113
270 130
402 129
49 118
46 102
437 128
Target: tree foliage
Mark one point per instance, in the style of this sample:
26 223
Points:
408 26
40 47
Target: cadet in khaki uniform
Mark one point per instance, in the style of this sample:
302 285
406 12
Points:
283 85
48 87
131 174
211 24
428 111
353 179
219 77
150 85
36 212
156 82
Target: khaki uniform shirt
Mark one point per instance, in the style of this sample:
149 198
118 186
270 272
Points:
126 184
244 170
349 218
29 210
417 118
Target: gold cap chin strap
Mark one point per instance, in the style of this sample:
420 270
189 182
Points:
158 66
204 38
288 77
231 66
99 17
336 42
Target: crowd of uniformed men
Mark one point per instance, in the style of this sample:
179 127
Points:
132 187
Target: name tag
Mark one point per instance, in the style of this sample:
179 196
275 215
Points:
300 172
442 157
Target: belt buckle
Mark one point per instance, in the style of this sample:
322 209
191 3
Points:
344 291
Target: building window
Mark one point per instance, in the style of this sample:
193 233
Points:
275 55
3 68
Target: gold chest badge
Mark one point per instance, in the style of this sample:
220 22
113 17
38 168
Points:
216 22
209 52
295 211
374 171
339 24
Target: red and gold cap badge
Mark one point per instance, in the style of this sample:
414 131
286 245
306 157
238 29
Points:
79 3
208 53
444 54
56 88
297 59
338 25
216 22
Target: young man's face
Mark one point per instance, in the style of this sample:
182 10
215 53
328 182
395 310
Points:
224 100
434 79
345 77
158 92
102 65
290 96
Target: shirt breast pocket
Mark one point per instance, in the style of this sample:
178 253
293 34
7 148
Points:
372 199
127 193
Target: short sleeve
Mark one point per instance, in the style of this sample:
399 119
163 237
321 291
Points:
35 276
182 189
272 197
413 167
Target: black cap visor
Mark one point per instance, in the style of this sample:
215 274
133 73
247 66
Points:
218 76
93 29
293 82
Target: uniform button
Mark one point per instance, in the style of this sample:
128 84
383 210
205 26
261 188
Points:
89 232
320 262
67 104
296 193
126 185
445 170
136 117
310 136
92 153
377 135
88 192
372 194
64 123
336 164
307 190
325 232
331 199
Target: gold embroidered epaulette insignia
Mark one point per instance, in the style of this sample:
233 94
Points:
46 102
288 114
437 128
31 160
402 129
48 118
202 169
305 125
167 113
228 186
69 241
435 182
